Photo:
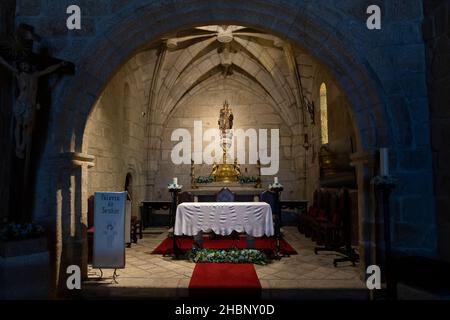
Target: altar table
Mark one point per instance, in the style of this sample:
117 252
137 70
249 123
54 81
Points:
253 218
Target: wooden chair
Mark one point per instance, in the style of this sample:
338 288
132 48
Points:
225 195
136 229
306 220
185 196
269 197
327 212
336 231
136 224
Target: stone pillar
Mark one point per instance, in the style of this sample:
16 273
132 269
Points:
436 32
364 165
71 215
7 17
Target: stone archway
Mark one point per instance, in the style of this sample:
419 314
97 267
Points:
380 119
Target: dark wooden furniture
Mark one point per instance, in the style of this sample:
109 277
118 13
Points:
300 205
225 195
332 228
270 198
244 198
173 210
185 196
136 229
148 208
209 194
206 198
318 210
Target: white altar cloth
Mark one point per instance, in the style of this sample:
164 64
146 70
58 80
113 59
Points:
253 218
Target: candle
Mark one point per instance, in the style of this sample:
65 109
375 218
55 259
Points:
175 181
275 180
384 162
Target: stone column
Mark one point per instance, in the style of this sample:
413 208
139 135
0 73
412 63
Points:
364 165
71 215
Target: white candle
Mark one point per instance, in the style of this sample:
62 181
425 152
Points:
384 162
175 181
275 180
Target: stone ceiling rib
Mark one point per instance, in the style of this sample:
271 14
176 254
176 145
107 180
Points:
255 55
211 82
254 71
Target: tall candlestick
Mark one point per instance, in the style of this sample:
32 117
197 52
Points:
175 181
384 162
275 180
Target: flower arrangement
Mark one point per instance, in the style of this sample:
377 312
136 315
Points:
228 256
16 231
172 186
204 180
251 179
276 186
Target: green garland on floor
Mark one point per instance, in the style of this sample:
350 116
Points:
228 256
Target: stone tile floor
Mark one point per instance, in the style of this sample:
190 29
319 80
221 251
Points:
304 275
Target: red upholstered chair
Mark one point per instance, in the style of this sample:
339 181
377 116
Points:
325 215
306 221
329 230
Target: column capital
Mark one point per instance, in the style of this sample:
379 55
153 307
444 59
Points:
75 159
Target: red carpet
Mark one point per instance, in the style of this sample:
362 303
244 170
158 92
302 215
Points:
224 279
267 245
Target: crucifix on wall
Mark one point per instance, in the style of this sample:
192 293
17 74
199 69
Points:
29 70
26 104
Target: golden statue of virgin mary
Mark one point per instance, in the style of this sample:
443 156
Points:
226 118
225 172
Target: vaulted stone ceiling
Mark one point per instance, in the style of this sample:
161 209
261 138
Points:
182 64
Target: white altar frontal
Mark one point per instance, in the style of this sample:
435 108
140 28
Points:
253 218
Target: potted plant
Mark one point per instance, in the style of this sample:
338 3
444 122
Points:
24 262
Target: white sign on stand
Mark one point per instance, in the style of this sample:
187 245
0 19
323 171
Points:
109 235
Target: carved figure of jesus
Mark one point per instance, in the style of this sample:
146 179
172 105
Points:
25 105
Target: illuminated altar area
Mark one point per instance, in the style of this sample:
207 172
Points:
224 173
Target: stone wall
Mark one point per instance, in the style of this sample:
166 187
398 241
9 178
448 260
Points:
252 106
436 31
252 109
382 74
342 135
116 136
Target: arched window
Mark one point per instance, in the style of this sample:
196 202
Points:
324 113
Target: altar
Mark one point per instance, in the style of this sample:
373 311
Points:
242 193
253 218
